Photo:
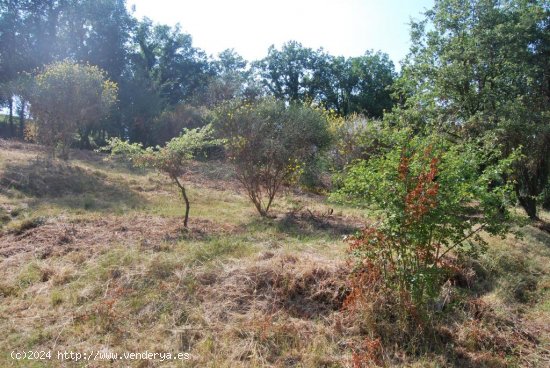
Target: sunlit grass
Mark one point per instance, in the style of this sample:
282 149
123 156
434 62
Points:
147 292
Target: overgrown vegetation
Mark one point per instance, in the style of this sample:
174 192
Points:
237 289
65 98
480 69
270 144
432 199
433 176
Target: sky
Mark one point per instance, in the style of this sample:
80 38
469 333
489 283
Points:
341 27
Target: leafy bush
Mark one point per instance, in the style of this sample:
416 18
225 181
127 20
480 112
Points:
357 138
432 198
65 97
270 143
125 149
171 159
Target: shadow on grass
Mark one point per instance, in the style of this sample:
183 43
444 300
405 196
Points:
308 224
514 269
67 185
102 161
544 235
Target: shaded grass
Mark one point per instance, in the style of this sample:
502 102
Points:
67 185
517 270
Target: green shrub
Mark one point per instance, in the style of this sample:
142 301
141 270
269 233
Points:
66 97
432 198
545 197
357 138
171 122
270 144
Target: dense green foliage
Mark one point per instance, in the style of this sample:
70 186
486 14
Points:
170 123
481 69
431 198
36 33
346 85
357 138
157 68
65 98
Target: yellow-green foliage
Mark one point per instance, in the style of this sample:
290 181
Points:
65 97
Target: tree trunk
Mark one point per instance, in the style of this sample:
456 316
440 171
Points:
258 204
85 139
529 187
546 201
22 120
529 204
186 218
262 212
270 200
64 154
187 206
10 107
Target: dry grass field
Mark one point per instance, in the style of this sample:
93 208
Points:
93 257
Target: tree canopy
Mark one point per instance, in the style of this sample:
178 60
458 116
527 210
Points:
67 97
481 67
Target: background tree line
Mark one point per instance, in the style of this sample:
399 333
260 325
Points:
477 69
440 152
161 75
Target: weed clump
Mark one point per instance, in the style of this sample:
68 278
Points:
4 217
27 224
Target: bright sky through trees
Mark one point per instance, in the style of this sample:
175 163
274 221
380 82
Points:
344 27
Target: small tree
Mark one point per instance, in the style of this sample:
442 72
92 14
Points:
65 97
270 143
172 159
432 198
